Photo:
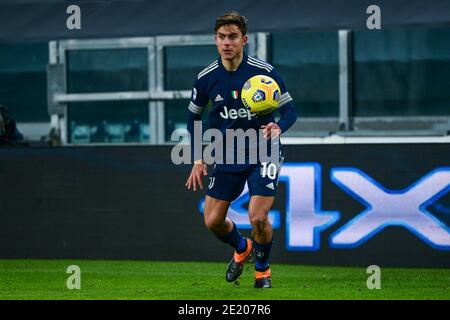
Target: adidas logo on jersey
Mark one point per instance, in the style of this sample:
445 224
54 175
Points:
270 186
218 98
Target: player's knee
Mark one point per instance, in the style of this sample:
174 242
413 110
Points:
214 224
259 221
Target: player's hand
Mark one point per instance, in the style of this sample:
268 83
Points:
271 131
195 178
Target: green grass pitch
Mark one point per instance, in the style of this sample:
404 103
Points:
46 279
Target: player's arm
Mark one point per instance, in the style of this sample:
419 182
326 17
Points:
286 109
199 168
195 109
288 117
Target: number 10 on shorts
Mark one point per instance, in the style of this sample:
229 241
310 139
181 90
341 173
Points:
269 169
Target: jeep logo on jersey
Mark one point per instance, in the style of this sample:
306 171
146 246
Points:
234 114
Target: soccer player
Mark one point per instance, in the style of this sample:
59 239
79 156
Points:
221 83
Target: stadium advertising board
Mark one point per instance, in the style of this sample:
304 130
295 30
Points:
387 205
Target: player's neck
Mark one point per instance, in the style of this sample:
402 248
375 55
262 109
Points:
232 65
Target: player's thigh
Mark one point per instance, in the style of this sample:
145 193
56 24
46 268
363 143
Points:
215 210
259 207
263 187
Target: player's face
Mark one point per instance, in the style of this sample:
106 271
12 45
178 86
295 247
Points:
230 42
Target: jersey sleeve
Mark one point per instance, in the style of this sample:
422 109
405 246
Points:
286 108
199 98
285 96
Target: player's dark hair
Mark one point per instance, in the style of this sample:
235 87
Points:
232 18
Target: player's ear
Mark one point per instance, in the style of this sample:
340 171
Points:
245 38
